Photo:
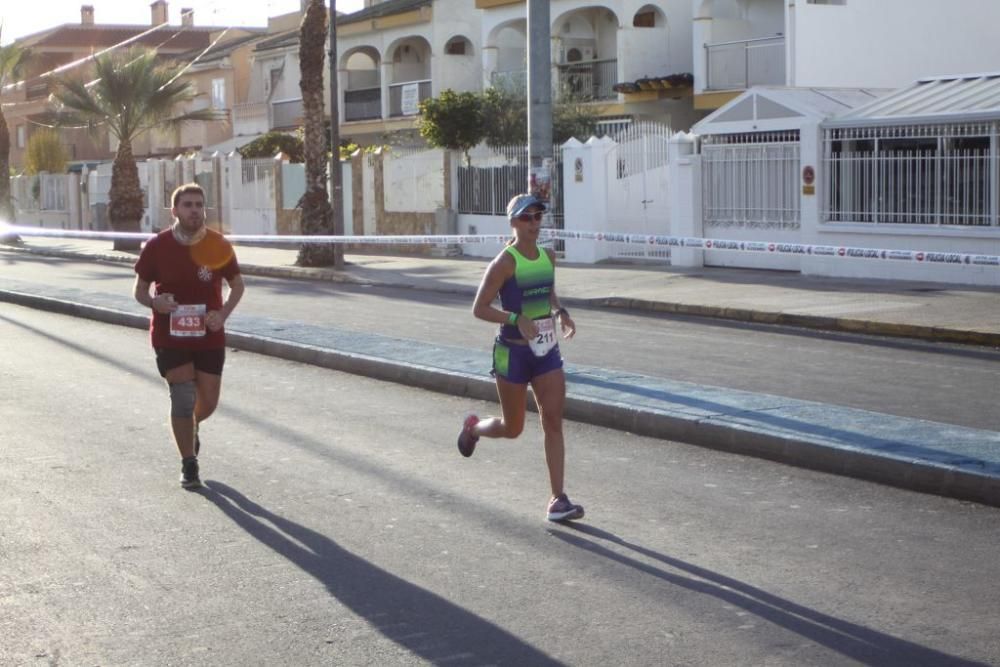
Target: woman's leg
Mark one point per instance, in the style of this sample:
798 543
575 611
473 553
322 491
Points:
513 403
550 397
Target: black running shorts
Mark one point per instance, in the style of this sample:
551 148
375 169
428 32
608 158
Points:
206 361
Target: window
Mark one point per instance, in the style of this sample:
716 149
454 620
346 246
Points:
218 93
271 78
918 174
458 46
21 136
644 20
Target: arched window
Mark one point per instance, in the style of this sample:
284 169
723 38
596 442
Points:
458 46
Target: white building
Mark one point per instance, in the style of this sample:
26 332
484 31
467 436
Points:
738 44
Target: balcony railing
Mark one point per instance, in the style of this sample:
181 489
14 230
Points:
362 104
286 114
251 118
741 64
404 98
587 81
592 80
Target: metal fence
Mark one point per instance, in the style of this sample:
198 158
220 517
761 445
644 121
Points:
751 178
494 175
741 64
929 175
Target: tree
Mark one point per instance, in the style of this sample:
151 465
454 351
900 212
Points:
570 119
452 120
13 59
317 214
505 117
45 152
502 119
272 143
131 95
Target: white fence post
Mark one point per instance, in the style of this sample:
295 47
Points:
685 206
585 196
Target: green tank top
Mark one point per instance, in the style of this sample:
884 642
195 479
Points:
527 292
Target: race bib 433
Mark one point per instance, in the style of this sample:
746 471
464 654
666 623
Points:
188 321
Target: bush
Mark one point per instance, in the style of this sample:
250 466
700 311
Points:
271 144
45 152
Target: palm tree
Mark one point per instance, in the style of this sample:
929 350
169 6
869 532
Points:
131 94
12 61
317 215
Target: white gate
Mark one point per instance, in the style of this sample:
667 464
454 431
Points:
637 189
253 198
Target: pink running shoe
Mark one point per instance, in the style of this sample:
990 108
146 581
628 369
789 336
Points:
467 439
561 509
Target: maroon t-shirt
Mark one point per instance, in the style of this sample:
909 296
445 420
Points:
193 274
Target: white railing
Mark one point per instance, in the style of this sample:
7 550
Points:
925 175
745 63
251 118
751 179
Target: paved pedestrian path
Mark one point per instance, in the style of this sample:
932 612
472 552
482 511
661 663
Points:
920 455
929 311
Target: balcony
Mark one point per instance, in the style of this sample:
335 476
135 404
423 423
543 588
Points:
405 98
584 81
362 104
251 118
587 81
286 114
745 63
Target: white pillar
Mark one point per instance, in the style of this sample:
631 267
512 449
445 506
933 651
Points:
685 205
384 83
585 196
491 58
701 34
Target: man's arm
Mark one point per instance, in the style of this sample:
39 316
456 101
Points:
161 303
236 290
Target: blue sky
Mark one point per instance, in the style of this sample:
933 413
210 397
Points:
20 18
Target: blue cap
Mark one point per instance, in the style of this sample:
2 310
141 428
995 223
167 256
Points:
520 203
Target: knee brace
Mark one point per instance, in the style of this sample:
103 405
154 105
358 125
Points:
182 398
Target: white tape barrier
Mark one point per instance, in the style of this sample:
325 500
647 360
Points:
759 247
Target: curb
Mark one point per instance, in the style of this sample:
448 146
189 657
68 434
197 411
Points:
817 322
907 473
844 324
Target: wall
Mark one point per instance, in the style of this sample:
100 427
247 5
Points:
890 43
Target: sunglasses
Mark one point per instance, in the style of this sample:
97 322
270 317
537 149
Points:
528 217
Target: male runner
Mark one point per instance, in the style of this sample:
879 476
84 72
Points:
185 265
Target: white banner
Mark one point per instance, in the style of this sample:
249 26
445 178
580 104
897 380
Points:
773 247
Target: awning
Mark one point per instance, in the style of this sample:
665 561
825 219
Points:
952 99
778 108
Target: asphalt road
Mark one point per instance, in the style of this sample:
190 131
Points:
342 527
939 382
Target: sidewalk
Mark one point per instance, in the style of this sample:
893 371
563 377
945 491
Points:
915 454
923 310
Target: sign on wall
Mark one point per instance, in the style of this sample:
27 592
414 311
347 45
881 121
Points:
411 99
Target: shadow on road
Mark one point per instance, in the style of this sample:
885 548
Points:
866 646
423 623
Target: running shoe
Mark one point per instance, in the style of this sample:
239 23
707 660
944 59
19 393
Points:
561 509
467 439
189 473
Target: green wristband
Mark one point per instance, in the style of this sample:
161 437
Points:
512 319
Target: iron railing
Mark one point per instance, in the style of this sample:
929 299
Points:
926 175
744 63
